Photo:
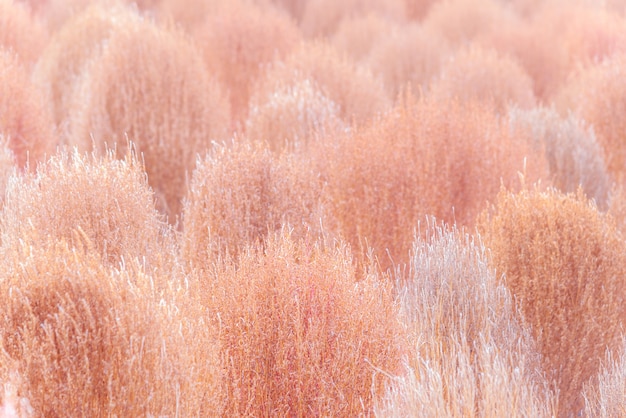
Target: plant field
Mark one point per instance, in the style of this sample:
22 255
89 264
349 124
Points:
325 208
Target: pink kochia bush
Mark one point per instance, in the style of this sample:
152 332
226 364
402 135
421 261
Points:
301 333
471 356
101 199
150 86
564 261
425 157
21 32
80 339
239 41
26 122
241 193
69 57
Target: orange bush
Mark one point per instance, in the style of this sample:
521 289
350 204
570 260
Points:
25 120
607 398
78 339
70 52
293 117
21 32
564 261
7 167
557 39
472 356
239 41
151 87
356 36
572 151
295 8
425 157
408 55
478 74
301 333
103 200
321 18
242 193
462 21
418 9
359 95
597 94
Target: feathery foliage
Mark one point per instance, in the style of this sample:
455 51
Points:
151 87
301 333
426 157
241 193
472 356
564 262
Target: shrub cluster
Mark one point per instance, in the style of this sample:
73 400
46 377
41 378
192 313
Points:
215 208
564 261
473 355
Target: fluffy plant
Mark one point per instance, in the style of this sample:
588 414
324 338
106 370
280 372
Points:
293 117
462 21
574 156
7 167
478 74
607 397
239 40
241 193
357 35
321 18
597 94
301 333
563 260
80 339
150 86
295 8
556 39
425 157
21 32
25 120
67 57
102 199
358 93
470 353
417 9
408 55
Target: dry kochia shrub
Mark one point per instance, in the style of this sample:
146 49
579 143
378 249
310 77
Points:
321 18
357 35
477 74
408 55
73 197
472 357
301 333
78 339
7 167
564 262
597 94
461 21
424 158
293 117
242 192
25 120
573 154
21 32
607 397
558 38
359 94
295 8
67 56
239 41
417 9
151 87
